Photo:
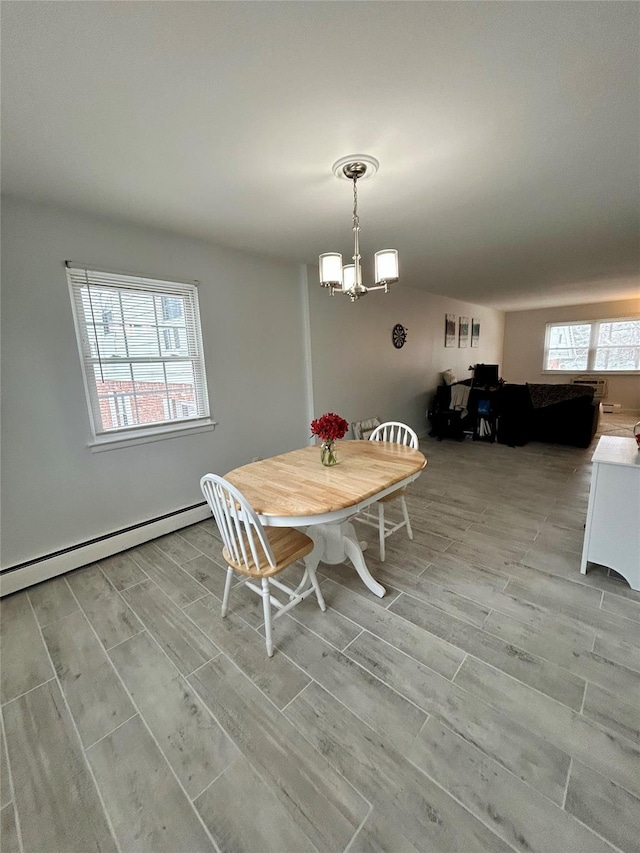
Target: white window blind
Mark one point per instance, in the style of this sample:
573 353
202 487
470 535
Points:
140 344
597 345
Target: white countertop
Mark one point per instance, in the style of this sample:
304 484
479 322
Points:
616 450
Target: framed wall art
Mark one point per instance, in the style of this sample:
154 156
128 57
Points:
475 332
450 330
463 332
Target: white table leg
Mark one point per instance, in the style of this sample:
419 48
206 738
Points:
354 553
334 543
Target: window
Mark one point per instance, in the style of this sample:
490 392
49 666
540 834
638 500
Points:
599 345
141 348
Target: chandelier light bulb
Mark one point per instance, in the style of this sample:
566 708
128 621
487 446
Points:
386 266
348 277
331 269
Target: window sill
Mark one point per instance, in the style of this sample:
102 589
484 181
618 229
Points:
121 440
595 373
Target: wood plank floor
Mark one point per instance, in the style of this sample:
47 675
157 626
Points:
490 702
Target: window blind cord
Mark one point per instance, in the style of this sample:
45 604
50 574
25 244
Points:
93 321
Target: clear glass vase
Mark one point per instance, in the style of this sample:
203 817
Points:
328 453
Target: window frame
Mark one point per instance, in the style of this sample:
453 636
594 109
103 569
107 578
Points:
123 436
592 349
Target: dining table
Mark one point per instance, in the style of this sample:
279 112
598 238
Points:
295 489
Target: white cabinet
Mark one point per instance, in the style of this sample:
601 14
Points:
612 534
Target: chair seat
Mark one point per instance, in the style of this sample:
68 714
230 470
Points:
393 496
288 545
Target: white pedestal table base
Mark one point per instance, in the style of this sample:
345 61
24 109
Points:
335 543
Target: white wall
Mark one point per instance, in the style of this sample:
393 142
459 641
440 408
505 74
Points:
524 346
55 492
358 373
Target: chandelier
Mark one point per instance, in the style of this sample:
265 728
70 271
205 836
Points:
348 279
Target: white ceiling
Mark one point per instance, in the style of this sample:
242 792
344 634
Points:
507 132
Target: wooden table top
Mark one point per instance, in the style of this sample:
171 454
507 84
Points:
298 484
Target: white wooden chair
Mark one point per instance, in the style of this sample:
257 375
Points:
400 434
257 551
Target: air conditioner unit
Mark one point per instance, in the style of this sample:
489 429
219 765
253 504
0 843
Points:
598 384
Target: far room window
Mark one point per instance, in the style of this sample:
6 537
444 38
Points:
603 346
140 343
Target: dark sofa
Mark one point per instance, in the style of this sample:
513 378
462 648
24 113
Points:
560 414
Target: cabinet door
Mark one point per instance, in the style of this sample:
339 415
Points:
615 521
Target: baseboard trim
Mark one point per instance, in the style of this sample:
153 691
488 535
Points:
26 574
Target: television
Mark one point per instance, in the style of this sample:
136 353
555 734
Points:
486 375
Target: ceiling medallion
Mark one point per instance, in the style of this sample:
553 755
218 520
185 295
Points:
348 279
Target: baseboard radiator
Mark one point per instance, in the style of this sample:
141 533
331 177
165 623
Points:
48 566
598 383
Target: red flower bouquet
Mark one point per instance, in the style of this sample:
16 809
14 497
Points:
329 427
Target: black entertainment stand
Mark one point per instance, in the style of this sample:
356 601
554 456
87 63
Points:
480 422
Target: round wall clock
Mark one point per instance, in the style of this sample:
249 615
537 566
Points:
399 336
